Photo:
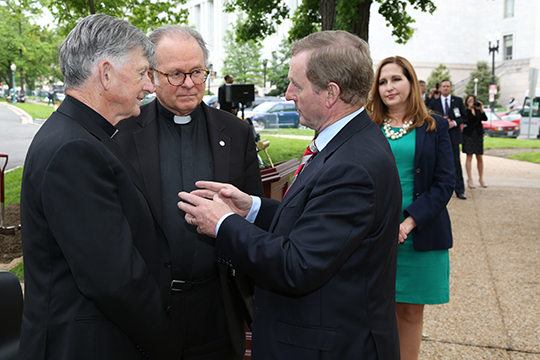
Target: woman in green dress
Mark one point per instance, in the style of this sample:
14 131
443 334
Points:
423 152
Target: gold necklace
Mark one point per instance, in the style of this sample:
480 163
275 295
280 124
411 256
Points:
391 134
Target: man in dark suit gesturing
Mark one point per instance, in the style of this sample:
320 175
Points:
324 259
93 255
452 108
176 141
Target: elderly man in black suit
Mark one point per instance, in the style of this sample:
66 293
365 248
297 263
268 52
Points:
453 110
175 141
324 258
93 255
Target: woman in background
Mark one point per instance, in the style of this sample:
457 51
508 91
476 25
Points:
423 152
473 138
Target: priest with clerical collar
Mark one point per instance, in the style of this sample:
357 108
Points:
175 141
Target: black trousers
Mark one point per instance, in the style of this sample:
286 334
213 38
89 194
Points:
460 186
200 315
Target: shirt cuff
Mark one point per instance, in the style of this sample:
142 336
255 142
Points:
254 211
251 216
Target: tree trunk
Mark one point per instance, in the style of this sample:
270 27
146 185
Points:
361 26
92 6
328 14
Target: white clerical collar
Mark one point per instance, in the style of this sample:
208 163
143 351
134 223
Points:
182 120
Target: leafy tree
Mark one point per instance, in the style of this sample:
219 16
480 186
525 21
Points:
437 75
279 69
242 60
33 49
145 14
315 15
483 74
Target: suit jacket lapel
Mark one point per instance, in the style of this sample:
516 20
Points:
148 151
219 145
320 159
79 112
420 137
146 141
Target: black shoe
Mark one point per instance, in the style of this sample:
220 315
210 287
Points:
461 196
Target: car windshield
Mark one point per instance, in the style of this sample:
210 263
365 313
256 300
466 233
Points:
492 116
264 107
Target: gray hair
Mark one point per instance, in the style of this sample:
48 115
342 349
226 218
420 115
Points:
340 57
94 39
169 31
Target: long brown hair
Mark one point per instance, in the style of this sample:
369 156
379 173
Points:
377 109
467 101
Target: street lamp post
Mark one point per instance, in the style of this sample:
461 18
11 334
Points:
13 97
493 50
264 65
211 66
475 87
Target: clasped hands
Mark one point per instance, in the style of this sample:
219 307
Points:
205 206
405 228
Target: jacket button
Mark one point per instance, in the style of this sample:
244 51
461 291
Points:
418 171
167 264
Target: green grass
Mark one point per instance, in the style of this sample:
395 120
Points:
282 149
508 143
533 157
19 271
306 132
37 111
12 186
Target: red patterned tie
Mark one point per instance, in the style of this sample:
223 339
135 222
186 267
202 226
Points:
310 152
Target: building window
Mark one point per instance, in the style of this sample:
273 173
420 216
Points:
508 8
508 45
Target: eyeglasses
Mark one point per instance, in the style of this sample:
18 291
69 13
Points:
177 78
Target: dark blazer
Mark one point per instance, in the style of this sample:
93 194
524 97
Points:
224 104
434 182
474 122
455 103
235 161
93 262
324 259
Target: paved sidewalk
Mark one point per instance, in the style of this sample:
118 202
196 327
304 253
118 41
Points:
494 309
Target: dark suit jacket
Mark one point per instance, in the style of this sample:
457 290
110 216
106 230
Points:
434 182
324 259
474 122
93 262
234 156
455 103
224 104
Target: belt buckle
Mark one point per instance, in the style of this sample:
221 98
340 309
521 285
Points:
181 285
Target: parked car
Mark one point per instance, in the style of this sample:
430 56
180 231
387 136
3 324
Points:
148 98
261 99
59 95
495 126
274 114
211 100
19 97
513 115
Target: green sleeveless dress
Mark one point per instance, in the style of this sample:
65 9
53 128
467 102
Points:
422 276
